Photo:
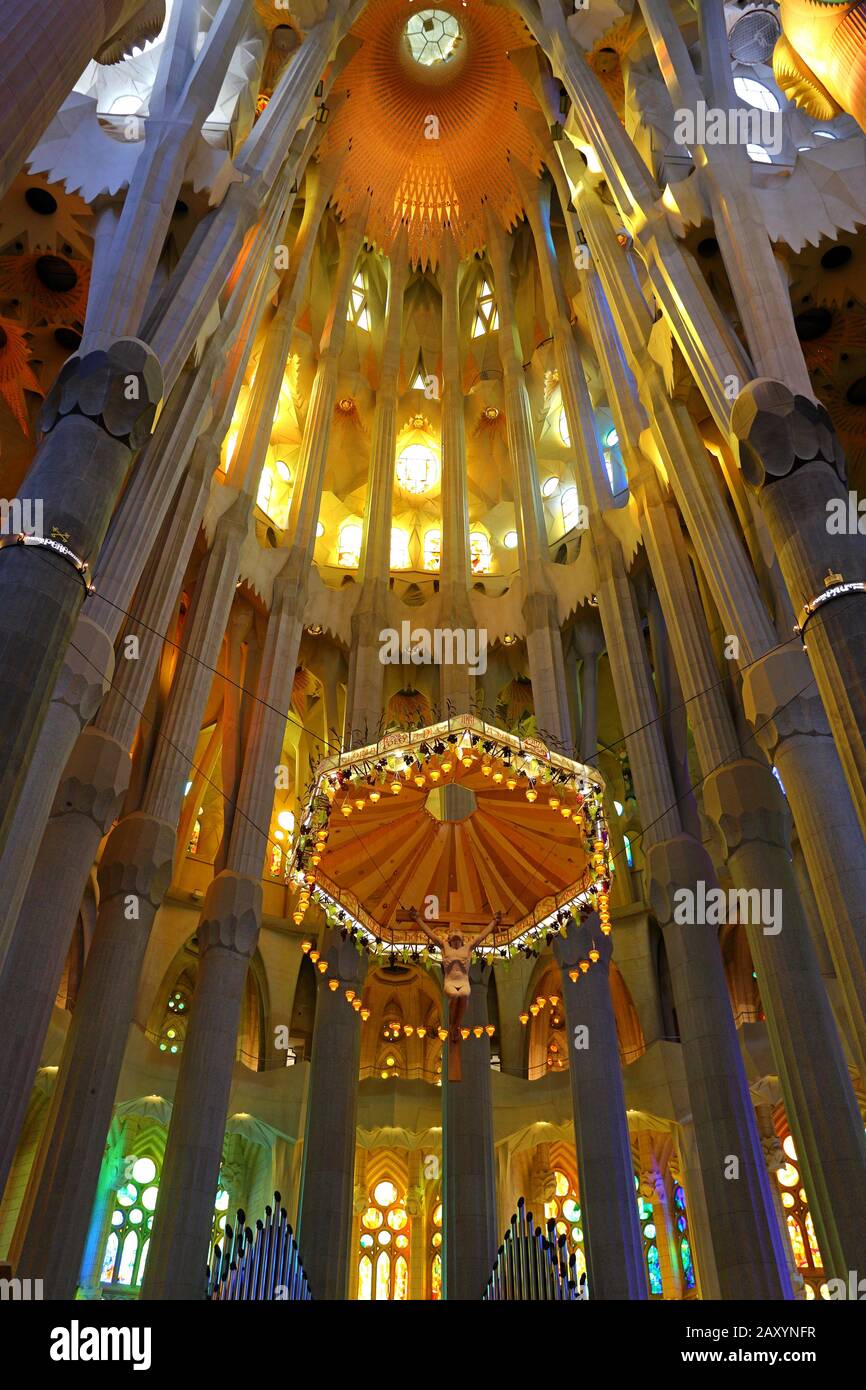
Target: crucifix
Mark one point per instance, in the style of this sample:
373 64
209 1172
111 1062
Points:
448 934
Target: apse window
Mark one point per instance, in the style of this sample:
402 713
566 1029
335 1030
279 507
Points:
480 553
486 312
417 469
433 37
349 545
358 312
399 549
432 550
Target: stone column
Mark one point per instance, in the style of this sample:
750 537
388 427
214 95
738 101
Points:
612 1240
45 48
325 1221
455 682
416 1207
198 410
543 636
469 1214
789 725
232 909
366 673
227 935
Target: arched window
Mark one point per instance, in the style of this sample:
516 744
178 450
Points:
383 1245
480 553
649 1237
399 549
486 312
564 1209
266 487
173 1031
349 552
126 1247
358 313
436 1252
801 1228
432 549
417 468
684 1245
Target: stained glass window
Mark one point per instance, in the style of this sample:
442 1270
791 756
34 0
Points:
564 1209
682 1225
486 312
358 313
417 469
128 1241
383 1246
798 1219
480 553
432 549
349 552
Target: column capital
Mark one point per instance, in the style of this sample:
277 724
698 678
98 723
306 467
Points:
671 864
578 941
745 801
119 388
780 700
231 914
779 432
137 859
95 778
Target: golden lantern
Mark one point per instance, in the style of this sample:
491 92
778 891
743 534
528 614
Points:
306 946
375 796
408 1029
314 956
346 809
297 918
442 1033
511 783
365 1014
435 774
486 769
333 984
524 1019
421 1031
447 765
554 803
497 776
594 954
534 1010
419 781
574 974
565 812
396 787
356 1005
531 794
360 803
322 967
490 1030
584 965
350 994
315 859
464 1033
478 1030
553 1000
540 1000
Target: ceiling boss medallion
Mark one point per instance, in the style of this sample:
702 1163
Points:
428 117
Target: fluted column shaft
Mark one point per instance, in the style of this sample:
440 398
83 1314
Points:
612 1239
232 910
543 636
325 1218
366 672
455 682
470 1235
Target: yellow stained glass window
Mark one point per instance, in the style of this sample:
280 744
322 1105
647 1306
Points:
383 1276
365 1279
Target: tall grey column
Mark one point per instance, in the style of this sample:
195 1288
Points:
612 1239
470 1230
326 1210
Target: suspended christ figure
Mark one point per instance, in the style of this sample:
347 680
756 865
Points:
456 947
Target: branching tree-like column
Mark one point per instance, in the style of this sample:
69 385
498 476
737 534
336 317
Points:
724 1124
612 1239
326 1210
102 407
543 635
232 910
45 45
366 672
470 1235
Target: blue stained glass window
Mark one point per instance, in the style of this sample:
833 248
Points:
655 1274
688 1267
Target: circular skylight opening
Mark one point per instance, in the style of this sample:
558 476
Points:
434 36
